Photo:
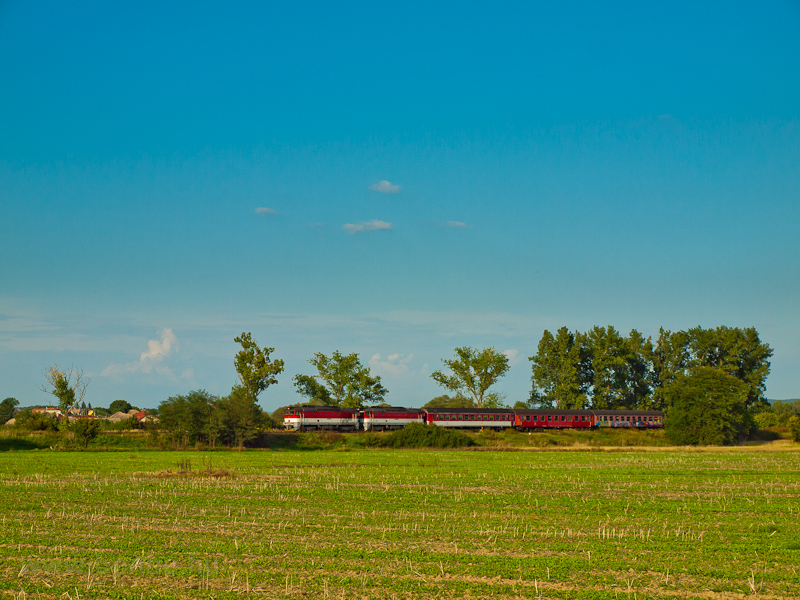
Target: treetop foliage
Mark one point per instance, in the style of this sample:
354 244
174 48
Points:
256 371
604 369
341 380
473 372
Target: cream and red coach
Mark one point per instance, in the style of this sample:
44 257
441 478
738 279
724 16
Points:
382 418
301 418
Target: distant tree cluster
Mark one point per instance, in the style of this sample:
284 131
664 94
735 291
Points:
717 374
232 420
780 414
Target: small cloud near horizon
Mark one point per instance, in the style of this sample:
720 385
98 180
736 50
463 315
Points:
385 187
364 226
394 364
150 360
457 224
263 210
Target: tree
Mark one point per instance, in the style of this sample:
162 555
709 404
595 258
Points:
341 380
188 417
610 356
119 406
738 352
86 430
794 427
446 401
256 371
7 409
236 419
69 387
707 406
473 372
561 371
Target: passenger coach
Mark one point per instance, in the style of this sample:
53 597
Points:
302 418
552 419
382 418
640 419
470 418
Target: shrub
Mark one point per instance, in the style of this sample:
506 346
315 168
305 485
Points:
417 435
36 422
794 427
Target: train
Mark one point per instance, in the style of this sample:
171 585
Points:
388 418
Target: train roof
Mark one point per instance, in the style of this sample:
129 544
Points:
648 413
390 409
551 411
469 410
316 408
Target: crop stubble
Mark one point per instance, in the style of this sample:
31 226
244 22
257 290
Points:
403 524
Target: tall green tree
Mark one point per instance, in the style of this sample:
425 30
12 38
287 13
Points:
341 380
255 368
707 406
739 352
736 351
561 371
236 419
472 372
610 355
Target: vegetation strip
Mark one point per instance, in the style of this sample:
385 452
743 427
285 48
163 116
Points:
408 524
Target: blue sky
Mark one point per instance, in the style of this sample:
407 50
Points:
389 179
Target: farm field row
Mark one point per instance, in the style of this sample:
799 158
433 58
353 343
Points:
400 524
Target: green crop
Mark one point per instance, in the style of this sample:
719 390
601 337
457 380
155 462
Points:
402 524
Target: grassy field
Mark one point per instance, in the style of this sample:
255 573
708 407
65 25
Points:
400 524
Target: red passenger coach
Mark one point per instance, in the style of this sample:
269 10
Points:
470 418
381 418
303 418
552 419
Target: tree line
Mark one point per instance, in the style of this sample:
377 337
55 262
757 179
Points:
710 383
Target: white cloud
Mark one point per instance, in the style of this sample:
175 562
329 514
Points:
374 225
158 349
455 224
150 359
263 210
512 356
385 187
395 364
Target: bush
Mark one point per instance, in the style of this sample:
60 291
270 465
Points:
707 407
417 435
794 427
766 419
36 422
86 430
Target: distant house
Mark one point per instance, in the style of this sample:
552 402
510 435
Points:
119 416
50 410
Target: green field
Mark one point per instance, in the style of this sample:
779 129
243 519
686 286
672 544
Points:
400 524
